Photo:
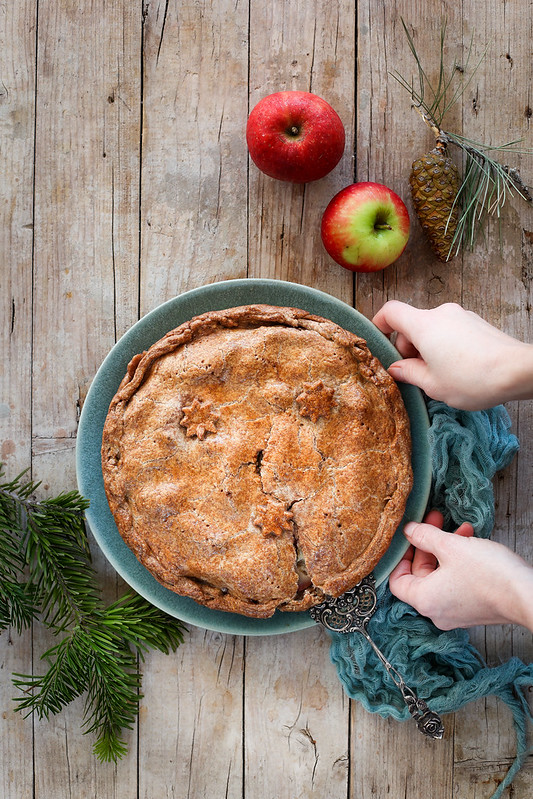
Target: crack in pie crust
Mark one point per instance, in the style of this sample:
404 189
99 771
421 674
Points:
257 458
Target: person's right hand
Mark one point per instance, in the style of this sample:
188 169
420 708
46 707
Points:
455 356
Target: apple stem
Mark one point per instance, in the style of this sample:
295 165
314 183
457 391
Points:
382 227
294 130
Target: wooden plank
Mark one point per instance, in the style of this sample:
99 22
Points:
480 780
296 715
391 135
193 226
306 47
85 282
86 201
17 100
482 292
17 103
497 287
296 720
193 220
420 279
391 758
485 748
191 719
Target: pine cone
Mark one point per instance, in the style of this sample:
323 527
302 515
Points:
434 182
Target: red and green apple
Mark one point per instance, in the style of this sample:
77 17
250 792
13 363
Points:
365 227
295 136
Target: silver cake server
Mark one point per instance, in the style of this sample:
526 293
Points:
350 613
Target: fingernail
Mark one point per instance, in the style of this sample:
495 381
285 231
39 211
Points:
409 528
395 370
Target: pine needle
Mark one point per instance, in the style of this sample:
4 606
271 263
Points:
486 185
17 600
99 649
454 81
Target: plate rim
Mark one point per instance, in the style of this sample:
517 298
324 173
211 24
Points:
195 614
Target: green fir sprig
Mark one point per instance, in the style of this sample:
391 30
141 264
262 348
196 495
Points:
17 596
46 572
486 184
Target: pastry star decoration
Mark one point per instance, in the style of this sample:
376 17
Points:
199 418
273 519
315 400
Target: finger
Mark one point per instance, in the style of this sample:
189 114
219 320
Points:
403 585
410 370
465 530
425 562
405 347
394 315
404 566
409 554
434 517
426 537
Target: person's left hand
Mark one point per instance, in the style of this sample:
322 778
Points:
458 580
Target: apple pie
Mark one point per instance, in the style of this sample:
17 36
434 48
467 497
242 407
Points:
257 458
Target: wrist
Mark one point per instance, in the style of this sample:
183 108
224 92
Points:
522 612
516 375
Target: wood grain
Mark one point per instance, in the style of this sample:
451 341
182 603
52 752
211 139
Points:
493 285
193 232
190 728
391 136
296 719
296 722
193 209
17 122
313 50
393 759
126 181
87 149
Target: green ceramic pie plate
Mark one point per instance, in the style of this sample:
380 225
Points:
152 327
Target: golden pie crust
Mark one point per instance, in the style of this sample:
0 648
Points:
257 458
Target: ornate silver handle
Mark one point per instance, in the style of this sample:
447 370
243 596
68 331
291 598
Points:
351 612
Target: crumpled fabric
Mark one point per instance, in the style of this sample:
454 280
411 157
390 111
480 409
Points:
468 448
444 668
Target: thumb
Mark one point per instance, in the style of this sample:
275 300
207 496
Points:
409 370
426 537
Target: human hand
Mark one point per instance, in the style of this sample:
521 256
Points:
460 581
455 356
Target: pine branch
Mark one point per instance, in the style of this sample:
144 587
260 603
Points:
17 608
485 188
144 625
440 102
65 679
486 185
59 560
98 653
101 666
17 597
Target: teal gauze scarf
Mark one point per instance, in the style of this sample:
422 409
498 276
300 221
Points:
445 670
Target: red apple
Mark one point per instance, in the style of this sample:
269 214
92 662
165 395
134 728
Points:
295 136
365 227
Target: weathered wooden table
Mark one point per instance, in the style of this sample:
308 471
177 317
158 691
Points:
125 181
